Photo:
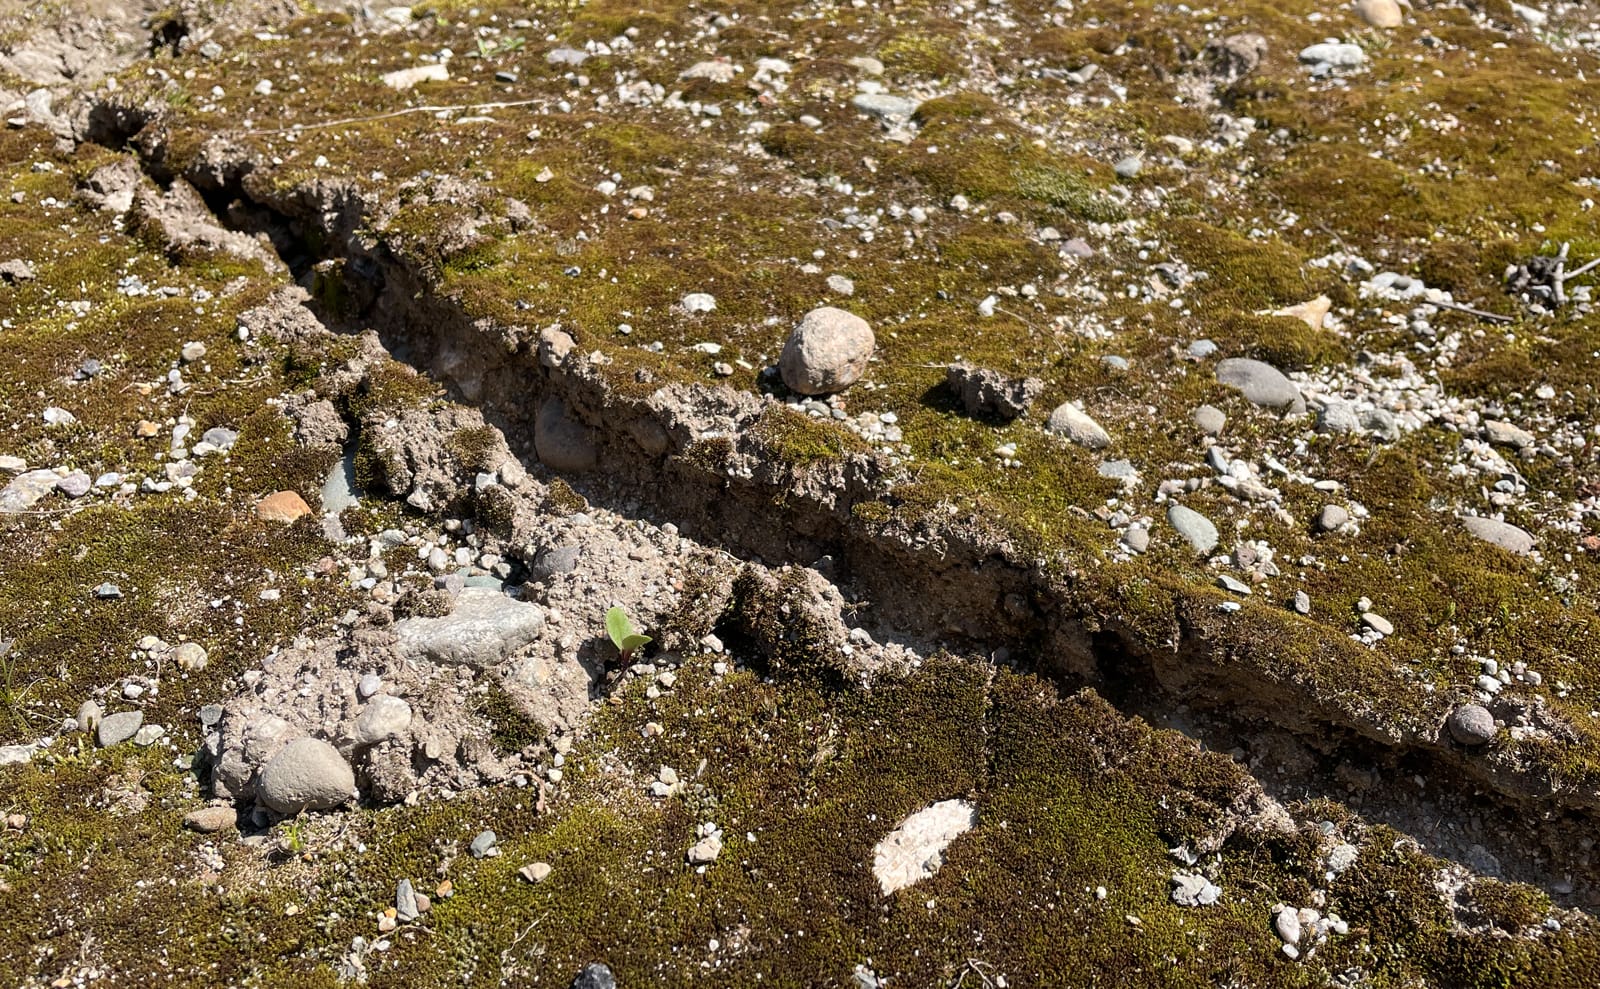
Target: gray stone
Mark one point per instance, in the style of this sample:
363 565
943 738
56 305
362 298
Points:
385 716
306 774
1502 534
1128 167
190 656
89 715
1338 418
485 628
1336 55
75 484
16 755
1332 517
989 393
1233 584
1471 724
339 486
705 851
1210 419
117 728
369 684
220 437
1076 425
405 902
828 352
107 591
1381 423
1193 890
566 56
1302 602
483 844
26 490
1260 383
147 735
1201 349
209 820
563 443
1137 538
1197 530
1377 623
885 106
1506 434
1119 470
210 715
594 976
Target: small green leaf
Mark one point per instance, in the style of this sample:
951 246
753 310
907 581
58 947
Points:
618 627
632 642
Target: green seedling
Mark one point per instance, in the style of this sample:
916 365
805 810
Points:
622 634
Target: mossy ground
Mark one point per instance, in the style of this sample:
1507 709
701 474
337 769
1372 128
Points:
1446 159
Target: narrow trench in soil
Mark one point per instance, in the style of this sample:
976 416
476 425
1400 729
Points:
1296 760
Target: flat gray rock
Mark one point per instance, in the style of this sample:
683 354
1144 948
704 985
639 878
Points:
114 729
1210 419
1502 534
1260 383
26 490
1197 530
884 106
306 774
485 628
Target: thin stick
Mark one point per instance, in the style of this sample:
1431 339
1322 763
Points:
1492 317
399 113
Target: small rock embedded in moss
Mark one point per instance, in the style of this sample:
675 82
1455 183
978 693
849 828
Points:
1191 889
914 850
1210 419
282 506
1379 13
1377 623
535 872
985 392
209 820
1260 383
1471 724
1071 422
1502 534
483 845
828 352
1197 530
1332 517
114 729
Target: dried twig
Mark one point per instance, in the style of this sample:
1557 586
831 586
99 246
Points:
397 113
1492 317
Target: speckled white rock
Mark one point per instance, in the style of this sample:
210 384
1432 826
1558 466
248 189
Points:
828 352
385 716
915 850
